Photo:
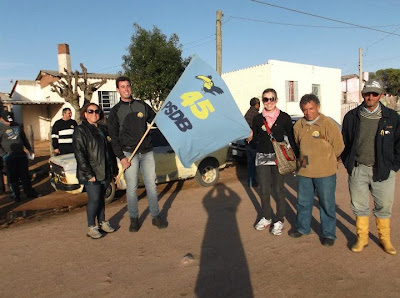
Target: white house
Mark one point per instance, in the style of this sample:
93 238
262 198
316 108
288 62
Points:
351 87
291 81
36 106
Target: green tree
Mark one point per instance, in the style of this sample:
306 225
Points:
390 78
153 63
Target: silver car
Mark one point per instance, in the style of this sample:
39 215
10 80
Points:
168 168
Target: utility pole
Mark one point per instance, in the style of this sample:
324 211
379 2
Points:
360 68
219 42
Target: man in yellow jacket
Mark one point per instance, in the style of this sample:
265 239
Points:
320 143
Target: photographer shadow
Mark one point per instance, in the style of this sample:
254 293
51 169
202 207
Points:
223 270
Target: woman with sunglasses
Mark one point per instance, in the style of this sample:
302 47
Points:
96 166
268 176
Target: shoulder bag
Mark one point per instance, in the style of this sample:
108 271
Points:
285 158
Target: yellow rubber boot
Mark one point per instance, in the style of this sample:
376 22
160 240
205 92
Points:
383 226
362 225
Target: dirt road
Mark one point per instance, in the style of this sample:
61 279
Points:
51 256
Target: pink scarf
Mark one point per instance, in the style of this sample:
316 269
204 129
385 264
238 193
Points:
271 116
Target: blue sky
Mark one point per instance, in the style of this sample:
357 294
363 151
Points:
98 33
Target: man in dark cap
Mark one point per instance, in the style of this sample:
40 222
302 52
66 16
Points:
371 133
12 143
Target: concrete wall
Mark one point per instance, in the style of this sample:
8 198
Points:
329 80
27 90
249 82
351 89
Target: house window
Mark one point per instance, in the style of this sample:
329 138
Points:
107 99
316 90
291 91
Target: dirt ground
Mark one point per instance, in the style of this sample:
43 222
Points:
210 248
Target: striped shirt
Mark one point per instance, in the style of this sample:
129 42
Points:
61 135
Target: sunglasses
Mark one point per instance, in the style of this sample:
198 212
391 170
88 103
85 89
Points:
374 94
266 99
90 111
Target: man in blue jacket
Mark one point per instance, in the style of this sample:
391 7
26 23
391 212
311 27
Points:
371 133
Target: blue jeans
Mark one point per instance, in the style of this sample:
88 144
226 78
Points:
145 162
325 188
251 160
95 206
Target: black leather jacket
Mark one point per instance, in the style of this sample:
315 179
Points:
93 153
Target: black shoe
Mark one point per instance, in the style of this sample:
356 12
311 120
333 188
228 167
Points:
33 195
328 241
295 234
135 225
158 222
15 198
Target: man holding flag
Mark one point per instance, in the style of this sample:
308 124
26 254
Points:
127 124
200 115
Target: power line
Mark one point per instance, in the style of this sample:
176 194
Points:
206 42
303 25
366 50
324 18
211 35
108 68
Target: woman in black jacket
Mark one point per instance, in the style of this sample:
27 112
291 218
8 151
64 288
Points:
96 166
268 176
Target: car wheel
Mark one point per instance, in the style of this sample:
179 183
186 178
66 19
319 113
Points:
110 192
207 172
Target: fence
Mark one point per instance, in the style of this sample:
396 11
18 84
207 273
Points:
347 107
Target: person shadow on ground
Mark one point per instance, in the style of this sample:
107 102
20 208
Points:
223 270
253 193
117 217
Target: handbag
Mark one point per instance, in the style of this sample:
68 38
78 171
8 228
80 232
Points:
285 158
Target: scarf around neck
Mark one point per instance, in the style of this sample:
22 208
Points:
270 116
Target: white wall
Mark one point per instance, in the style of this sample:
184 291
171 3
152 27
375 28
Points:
351 87
329 80
249 82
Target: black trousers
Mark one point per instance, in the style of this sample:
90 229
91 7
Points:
268 179
2 168
17 168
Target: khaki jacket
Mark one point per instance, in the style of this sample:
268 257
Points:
320 146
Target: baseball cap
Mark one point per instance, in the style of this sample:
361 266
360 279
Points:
373 85
6 115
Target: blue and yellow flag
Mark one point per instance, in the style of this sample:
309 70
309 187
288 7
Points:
200 115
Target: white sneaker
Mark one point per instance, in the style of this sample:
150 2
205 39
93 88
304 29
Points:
262 224
93 232
277 228
106 227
